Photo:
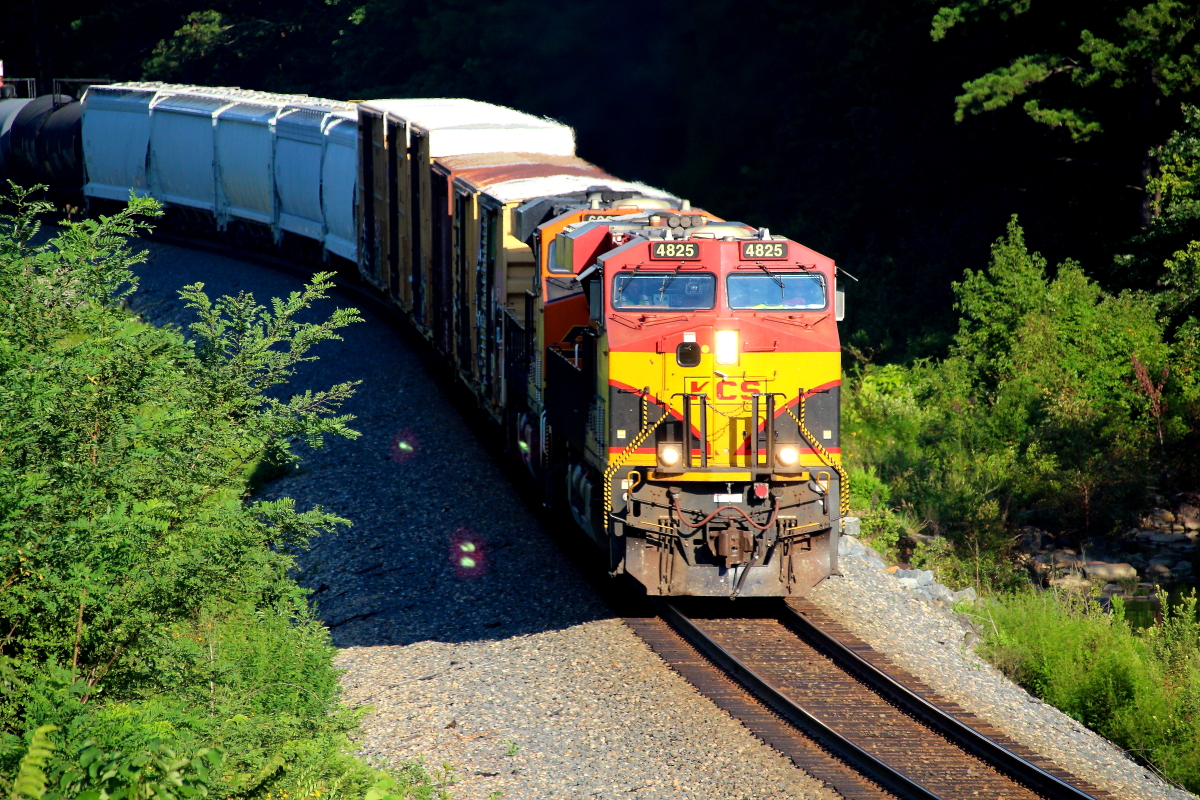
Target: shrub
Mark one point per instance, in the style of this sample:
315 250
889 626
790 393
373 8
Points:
151 632
1048 396
1139 689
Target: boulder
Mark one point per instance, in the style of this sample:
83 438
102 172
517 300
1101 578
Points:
1103 571
907 583
923 577
1164 560
1163 515
1145 533
1061 559
1071 583
1168 538
851 526
1182 566
966 595
1191 524
1158 571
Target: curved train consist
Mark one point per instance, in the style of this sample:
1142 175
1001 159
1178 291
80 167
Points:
670 376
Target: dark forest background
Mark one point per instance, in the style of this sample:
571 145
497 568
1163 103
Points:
832 123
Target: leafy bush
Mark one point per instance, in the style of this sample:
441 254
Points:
153 641
1139 689
1048 409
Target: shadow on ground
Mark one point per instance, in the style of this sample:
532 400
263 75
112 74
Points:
442 547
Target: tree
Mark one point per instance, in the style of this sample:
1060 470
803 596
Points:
1144 55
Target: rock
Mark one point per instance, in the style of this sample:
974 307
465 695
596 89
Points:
1178 528
1145 533
923 577
1061 559
1182 566
1167 538
1071 583
1103 571
1158 570
851 526
966 595
1166 560
907 583
848 546
875 561
1188 511
1192 524
1162 514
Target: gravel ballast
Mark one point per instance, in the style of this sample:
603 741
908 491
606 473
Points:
513 672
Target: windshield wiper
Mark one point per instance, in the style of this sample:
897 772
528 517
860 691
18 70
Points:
667 281
778 280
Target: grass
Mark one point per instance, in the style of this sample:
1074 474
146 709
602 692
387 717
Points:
1139 688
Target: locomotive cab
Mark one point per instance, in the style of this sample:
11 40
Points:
713 363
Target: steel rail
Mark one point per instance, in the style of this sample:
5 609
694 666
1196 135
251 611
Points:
930 714
893 781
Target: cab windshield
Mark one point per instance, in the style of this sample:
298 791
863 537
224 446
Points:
783 292
651 290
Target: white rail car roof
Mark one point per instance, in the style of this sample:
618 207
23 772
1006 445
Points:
522 189
457 126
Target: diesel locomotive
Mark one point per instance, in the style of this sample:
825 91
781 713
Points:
670 376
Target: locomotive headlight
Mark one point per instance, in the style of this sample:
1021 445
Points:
788 456
669 454
727 347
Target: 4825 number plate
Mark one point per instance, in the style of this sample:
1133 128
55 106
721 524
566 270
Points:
755 251
675 250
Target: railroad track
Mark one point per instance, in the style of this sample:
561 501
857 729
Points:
840 710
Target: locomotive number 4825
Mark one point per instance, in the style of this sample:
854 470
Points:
681 250
756 250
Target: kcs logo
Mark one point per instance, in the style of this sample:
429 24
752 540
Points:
727 390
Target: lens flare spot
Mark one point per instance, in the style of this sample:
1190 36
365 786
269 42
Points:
404 446
468 555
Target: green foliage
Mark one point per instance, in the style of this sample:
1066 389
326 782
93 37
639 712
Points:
153 639
1139 689
1039 412
30 781
1150 48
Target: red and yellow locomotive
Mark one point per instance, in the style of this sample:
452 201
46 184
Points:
699 407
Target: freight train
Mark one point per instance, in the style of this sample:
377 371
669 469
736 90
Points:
670 376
